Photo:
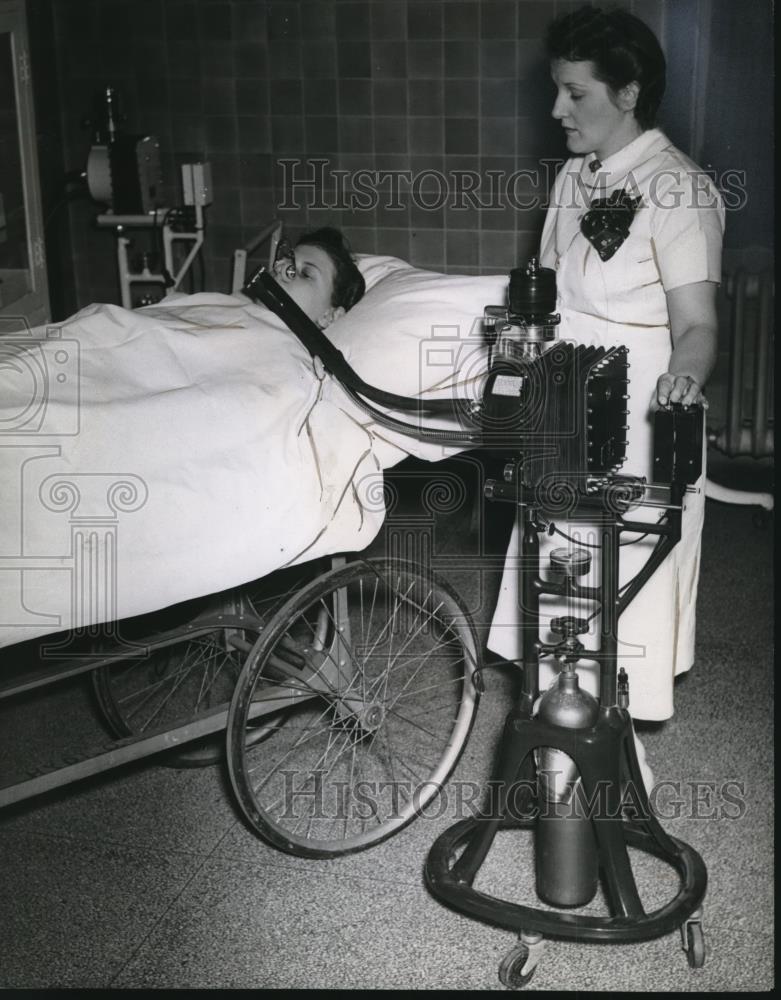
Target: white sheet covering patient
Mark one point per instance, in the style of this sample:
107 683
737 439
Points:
152 456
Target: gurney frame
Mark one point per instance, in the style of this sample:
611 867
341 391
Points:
345 703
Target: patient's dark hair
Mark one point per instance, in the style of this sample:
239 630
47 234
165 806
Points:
622 48
349 285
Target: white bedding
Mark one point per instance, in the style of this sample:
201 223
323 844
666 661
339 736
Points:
152 456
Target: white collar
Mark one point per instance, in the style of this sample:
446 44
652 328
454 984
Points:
614 168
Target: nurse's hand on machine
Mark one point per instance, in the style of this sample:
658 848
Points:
683 389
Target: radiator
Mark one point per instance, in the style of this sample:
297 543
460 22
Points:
749 420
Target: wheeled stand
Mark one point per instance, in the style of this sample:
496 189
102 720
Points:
611 789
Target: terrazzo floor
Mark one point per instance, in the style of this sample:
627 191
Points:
149 877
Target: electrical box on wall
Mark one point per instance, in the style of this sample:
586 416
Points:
197 183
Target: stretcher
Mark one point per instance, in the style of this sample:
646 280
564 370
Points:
343 697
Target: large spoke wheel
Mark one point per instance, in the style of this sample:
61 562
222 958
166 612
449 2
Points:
362 685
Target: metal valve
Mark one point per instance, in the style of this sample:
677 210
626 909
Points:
569 626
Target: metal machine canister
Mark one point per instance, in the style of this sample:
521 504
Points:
567 866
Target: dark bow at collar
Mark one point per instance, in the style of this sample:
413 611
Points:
606 224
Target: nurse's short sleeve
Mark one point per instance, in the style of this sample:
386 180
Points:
687 227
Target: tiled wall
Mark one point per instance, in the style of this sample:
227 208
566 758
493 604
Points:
452 97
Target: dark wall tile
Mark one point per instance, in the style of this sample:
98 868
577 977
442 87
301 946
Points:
225 170
286 97
461 248
390 97
215 21
498 58
320 97
461 135
462 59
219 96
424 20
186 95
251 60
188 132
497 19
252 97
152 93
428 171
390 134
322 134
498 250
254 134
389 20
353 59
355 160
534 16
461 213
353 20
181 19
256 209
227 206
462 98
424 59
427 248
287 134
427 210
284 59
389 59
497 216
426 97
318 19
255 171
497 98
426 135
497 136
283 20
149 57
319 58
535 87
361 240
393 242
462 20
249 22
355 134
355 97
217 59
539 136
220 132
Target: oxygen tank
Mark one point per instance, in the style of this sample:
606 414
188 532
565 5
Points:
566 854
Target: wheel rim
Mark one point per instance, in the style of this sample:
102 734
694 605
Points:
363 745
172 684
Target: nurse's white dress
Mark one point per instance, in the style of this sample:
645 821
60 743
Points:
675 239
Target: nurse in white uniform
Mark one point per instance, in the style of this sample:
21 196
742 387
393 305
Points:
653 290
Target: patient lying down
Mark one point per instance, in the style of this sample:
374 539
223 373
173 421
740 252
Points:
320 275
170 452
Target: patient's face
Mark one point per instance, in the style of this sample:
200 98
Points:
312 287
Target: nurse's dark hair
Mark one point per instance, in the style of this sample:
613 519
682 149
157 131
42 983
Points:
622 48
349 285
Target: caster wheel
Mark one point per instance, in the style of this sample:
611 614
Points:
695 946
514 972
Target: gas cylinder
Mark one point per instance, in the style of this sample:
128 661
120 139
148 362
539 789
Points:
567 866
